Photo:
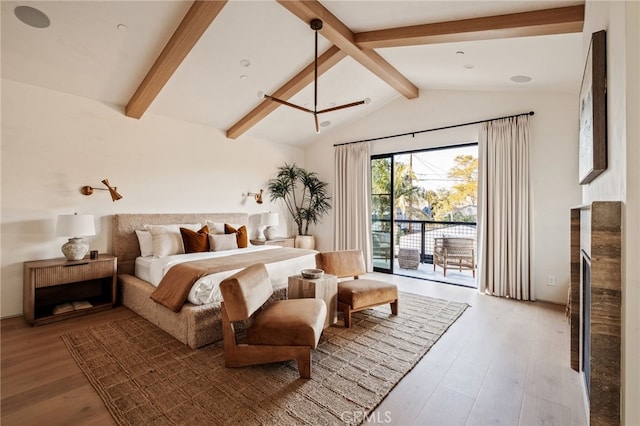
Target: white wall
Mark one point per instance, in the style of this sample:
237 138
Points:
554 167
54 143
621 180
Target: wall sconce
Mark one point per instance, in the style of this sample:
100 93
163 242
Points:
115 196
257 196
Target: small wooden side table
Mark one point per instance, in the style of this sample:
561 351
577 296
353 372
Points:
325 288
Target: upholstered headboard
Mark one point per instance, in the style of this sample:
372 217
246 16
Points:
125 241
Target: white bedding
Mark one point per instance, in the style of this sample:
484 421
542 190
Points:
206 289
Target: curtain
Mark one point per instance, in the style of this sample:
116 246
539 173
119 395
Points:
504 209
352 201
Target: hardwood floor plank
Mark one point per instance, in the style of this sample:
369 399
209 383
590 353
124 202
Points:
445 408
80 406
538 412
42 393
499 401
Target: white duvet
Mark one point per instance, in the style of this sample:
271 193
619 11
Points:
206 289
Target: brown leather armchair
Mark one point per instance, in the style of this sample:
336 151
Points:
356 294
279 331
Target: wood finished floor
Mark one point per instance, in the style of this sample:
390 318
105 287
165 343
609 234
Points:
502 362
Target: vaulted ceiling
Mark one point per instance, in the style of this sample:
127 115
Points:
211 62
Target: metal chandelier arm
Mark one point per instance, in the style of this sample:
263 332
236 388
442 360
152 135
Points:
316 25
289 104
335 108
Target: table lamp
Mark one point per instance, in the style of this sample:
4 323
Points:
270 220
75 226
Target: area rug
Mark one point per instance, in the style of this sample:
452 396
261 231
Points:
145 376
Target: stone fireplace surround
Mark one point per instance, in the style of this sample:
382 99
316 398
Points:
596 236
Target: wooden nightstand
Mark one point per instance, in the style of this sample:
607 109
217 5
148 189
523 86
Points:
53 282
278 241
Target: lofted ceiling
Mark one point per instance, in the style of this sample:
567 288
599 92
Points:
103 50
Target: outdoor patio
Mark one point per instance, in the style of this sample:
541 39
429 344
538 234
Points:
425 271
420 236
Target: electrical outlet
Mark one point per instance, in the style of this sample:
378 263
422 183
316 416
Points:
551 280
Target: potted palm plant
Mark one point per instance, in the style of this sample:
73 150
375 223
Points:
305 197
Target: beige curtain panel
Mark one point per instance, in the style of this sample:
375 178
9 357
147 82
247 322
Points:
352 199
504 209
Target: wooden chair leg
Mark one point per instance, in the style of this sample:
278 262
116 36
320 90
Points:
304 365
394 307
347 316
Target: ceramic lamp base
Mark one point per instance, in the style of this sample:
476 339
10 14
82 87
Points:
75 249
269 232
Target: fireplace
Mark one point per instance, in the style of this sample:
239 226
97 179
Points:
596 303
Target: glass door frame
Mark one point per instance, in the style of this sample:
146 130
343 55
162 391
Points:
391 212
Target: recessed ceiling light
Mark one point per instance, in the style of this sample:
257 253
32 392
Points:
367 101
460 52
468 66
245 63
243 77
122 27
325 124
521 78
32 16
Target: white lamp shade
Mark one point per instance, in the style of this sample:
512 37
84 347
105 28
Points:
270 219
75 225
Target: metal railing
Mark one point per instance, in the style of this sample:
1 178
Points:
416 234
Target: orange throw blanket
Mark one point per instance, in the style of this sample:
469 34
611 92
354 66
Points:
174 287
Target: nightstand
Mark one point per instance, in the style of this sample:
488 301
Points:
325 288
278 241
57 282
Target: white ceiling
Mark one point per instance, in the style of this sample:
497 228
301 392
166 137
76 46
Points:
84 53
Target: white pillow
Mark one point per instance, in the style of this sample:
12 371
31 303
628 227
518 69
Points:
145 240
167 239
220 242
218 227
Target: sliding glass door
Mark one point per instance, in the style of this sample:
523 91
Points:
419 198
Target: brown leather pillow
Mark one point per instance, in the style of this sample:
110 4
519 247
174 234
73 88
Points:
241 234
195 242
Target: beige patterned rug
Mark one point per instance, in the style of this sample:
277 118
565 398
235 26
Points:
145 376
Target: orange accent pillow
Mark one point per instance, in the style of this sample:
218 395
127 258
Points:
195 242
241 234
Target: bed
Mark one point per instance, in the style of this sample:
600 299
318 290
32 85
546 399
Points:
194 324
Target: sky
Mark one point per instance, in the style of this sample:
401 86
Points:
432 167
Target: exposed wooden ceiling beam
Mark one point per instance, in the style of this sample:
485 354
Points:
193 25
305 77
340 35
535 23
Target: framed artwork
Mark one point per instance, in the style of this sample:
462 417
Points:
593 111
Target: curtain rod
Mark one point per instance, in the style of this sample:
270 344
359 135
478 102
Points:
432 130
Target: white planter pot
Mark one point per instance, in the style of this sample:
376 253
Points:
305 242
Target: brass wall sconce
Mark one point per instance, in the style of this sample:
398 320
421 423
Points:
115 196
257 196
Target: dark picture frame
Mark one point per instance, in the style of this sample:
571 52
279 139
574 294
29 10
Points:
593 111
